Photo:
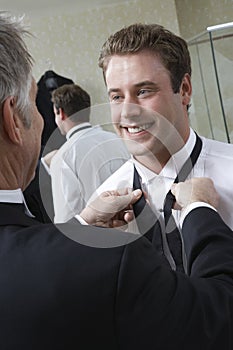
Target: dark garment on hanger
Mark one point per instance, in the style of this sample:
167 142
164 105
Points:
47 83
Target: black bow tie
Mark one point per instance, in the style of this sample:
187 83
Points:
148 223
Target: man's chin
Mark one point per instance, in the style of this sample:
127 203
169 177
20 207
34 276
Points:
135 148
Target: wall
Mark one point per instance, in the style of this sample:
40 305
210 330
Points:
69 40
194 17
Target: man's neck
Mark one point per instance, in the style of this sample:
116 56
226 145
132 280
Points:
152 162
69 126
157 161
7 184
10 168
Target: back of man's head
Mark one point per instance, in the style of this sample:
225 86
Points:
72 99
16 65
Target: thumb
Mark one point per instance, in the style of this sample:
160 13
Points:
136 194
173 189
123 201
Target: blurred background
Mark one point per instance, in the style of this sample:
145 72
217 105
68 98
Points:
68 35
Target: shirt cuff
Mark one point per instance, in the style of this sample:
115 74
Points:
80 219
190 207
45 165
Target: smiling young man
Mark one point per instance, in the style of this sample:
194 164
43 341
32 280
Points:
147 71
141 84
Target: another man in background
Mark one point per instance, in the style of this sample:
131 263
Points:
87 159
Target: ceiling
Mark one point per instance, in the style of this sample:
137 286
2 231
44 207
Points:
29 6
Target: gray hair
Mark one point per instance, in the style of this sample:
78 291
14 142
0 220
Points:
15 64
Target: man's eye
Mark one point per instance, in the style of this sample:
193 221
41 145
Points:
115 98
143 92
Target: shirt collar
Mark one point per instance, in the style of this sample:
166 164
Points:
174 164
14 196
76 127
178 159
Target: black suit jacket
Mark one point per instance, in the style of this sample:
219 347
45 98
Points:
59 294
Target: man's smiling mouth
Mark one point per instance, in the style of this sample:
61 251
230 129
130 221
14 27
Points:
137 129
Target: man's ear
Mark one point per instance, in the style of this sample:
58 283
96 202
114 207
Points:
11 122
62 114
186 89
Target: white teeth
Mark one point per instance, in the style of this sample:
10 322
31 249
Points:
135 129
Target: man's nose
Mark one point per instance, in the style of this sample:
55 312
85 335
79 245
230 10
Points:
130 109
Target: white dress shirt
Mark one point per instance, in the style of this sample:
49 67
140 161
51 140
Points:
215 161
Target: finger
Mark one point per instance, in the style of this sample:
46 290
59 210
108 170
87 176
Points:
123 202
176 206
120 224
173 189
136 194
124 191
132 197
129 216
